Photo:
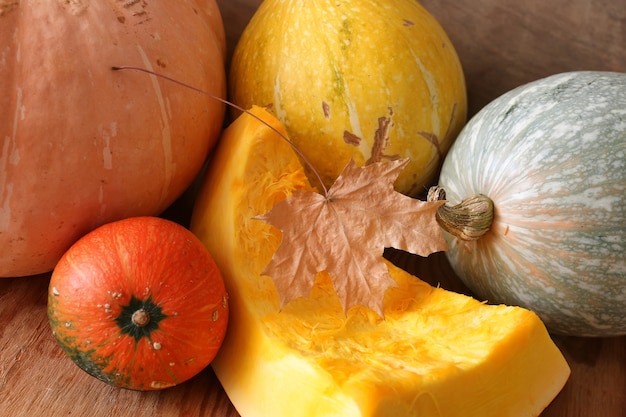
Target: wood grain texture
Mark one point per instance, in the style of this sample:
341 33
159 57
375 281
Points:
37 379
502 44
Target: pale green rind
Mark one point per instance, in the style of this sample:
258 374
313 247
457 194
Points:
552 156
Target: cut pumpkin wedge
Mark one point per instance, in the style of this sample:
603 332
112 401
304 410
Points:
436 353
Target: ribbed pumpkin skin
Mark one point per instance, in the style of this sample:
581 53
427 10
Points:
120 268
435 354
552 157
80 144
329 70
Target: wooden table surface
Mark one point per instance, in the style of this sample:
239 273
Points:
502 43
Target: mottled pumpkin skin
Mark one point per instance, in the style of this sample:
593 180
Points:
552 156
331 70
80 144
139 263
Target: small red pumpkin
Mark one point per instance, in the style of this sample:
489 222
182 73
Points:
139 304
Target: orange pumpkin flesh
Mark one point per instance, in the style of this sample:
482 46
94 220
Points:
139 304
82 145
436 353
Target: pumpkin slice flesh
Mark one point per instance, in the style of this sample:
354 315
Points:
436 353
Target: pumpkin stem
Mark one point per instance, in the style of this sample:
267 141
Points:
140 318
468 220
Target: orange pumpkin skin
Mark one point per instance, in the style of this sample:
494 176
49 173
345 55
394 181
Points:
81 144
110 279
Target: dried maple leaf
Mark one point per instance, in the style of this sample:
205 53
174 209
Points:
345 233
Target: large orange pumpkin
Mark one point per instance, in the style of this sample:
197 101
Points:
82 145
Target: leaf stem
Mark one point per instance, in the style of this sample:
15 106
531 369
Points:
233 105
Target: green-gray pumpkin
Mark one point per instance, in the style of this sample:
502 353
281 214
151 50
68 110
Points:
551 158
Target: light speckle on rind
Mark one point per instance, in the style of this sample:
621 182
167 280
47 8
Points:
115 294
55 291
76 7
161 384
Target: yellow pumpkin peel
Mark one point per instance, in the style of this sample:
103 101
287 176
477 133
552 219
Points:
436 353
